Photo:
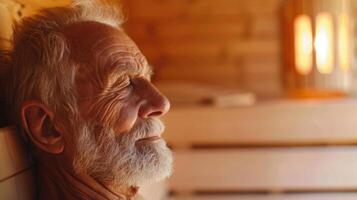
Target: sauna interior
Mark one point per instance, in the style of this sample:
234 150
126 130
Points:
263 97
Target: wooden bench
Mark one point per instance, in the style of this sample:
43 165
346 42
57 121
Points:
16 172
281 150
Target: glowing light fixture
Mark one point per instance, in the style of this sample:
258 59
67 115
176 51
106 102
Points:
303 44
344 30
324 43
317 47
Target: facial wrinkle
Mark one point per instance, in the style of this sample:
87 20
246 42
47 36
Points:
109 98
109 39
146 70
107 106
114 51
114 43
118 58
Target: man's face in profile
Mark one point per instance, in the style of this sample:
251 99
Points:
118 139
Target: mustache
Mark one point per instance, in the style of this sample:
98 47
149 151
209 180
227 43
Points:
146 128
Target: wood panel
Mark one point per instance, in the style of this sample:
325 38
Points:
19 187
267 66
177 30
210 74
281 122
13 156
205 40
266 169
234 47
317 196
166 30
173 8
263 86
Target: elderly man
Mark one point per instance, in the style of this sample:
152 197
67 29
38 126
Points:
82 98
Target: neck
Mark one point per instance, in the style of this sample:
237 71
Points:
56 182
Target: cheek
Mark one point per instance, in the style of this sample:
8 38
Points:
105 109
127 117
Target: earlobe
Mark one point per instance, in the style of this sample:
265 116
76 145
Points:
38 122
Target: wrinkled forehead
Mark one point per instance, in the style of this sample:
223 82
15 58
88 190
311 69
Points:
105 48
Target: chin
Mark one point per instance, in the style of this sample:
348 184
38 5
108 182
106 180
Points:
157 162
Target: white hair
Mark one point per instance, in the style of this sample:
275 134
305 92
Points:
116 158
41 67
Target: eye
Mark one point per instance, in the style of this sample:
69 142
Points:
130 82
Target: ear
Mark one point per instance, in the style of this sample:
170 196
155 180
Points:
38 122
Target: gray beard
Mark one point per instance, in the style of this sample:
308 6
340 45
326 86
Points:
115 158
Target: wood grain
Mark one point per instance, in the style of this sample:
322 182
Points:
279 122
173 8
13 156
266 169
317 196
20 187
203 41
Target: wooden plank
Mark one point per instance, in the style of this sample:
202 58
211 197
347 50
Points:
223 75
189 30
185 9
13 156
317 196
265 25
256 26
278 122
208 74
284 169
216 61
234 47
264 66
264 85
19 187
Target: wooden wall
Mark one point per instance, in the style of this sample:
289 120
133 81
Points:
228 42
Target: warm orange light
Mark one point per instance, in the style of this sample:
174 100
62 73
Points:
303 44
343 41
324 43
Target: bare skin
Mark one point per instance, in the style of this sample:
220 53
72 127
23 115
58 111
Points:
114 88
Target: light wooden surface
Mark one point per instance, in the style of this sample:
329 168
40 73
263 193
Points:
16 174
318 196
20 187
159 27
13 155
210 41
282 169
270 123
305 148
173 8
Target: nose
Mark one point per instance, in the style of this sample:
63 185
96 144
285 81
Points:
154 105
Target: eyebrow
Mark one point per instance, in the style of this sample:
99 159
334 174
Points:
124 60
130 65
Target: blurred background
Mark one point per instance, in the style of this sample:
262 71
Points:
230 43
262 92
